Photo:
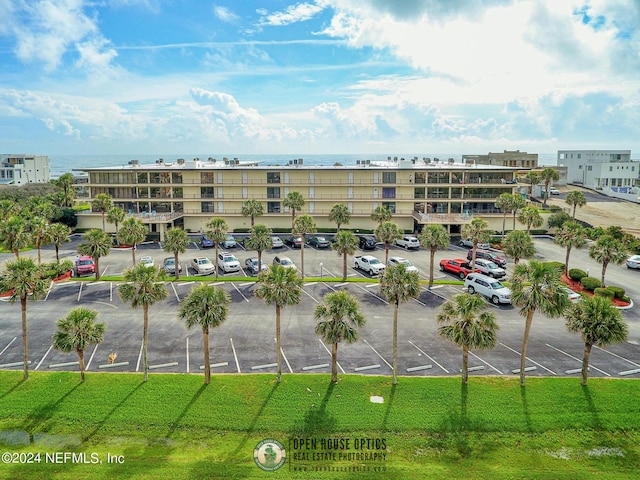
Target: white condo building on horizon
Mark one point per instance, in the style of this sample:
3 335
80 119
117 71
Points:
20 169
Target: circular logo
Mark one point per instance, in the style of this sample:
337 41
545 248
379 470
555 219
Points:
269 455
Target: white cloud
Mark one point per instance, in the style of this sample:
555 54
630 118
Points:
300 12
224 14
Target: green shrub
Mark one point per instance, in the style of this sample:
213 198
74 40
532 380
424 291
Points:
591 283
604 292
577 274
558 265
538 232
618 291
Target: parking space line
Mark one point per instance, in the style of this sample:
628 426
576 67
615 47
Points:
425 354
285 357
175 292
8 345
527 358
310 283
111 292
601 349
235 356
436 293
187 354
341 284
49 290
576 359
45 356
486 363
329 352
377 296
91 357
376 352
139 357
246 284
310 296
80 291
331 274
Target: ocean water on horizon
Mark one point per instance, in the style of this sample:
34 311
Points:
60 164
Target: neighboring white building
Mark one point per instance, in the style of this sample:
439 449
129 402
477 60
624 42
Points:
20 169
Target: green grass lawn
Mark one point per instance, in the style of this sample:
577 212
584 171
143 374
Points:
175 427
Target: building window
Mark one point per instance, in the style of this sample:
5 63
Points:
273 177
206 192
273 192
390 205
220 207
389 192
418 192
312 207
421 177
273 207
245 192
206 207
177 192
388 177
176 177
205 177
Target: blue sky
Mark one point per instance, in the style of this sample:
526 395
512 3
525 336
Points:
318 76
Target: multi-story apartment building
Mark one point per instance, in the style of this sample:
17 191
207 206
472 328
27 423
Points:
507 158
19 169
190 193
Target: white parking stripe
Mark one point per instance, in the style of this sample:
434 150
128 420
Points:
309 295
423 353
527 358
175 291
378 297
8 345
139 357
235 356
284 356
601 349
91 358
329 352
238 290
486 363
376 352
42 360
80 291
187 354
576 359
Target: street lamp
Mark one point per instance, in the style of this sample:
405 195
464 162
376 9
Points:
321 272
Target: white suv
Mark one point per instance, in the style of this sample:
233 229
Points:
227 262
487 267
487 286
408 242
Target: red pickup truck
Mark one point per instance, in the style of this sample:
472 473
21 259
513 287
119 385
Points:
457 266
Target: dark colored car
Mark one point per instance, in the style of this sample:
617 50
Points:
319 242
487 255
367 243
293 242
206 242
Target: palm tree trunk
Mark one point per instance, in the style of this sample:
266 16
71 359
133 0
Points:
386 253
344 267
176 266
302 255
133 254
585 363
39 253
278 346
504 220
145 339
566 261
432 255
465 364
25 344
514 219
207 359
334 362
215 261
525 342
604 269
96 260
57 253
81 363
104 227
575 205
395 342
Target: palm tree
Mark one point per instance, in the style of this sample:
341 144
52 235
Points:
507 203
599 323
517 203
381 214
433 238
65 181
608 250
144 286
398 286
281 287
338 317
387 233
464 324
303 225
102 203
518 244
252 208
530 216
116 215
346 243
576 199
77 331
14 235
24 279
571 235
259 240
547 175
97 244
176 241
8 208
478 233
533 178
132 232
39 232
536 286
59 233
340 214
294 201
207 306
217 232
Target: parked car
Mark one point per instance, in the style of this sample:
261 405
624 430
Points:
146 261
554 191
293 242
488 287
277 242
202 266
457 266
205 242
251 264
633 261
283 261
227 262
409 242
367 242
467 242
487 267
410 267
169 265
487 255
573 296
84 265
229 241
369 264
319 242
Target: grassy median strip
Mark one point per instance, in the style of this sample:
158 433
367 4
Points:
175 427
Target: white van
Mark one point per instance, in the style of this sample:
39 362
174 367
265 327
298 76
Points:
487 286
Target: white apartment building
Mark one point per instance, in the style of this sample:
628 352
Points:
600 168
20 169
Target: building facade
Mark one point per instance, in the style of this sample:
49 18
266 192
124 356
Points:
20 169
600 168
507 158
190 193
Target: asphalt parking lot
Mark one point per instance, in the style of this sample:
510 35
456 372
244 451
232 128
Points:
245 343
